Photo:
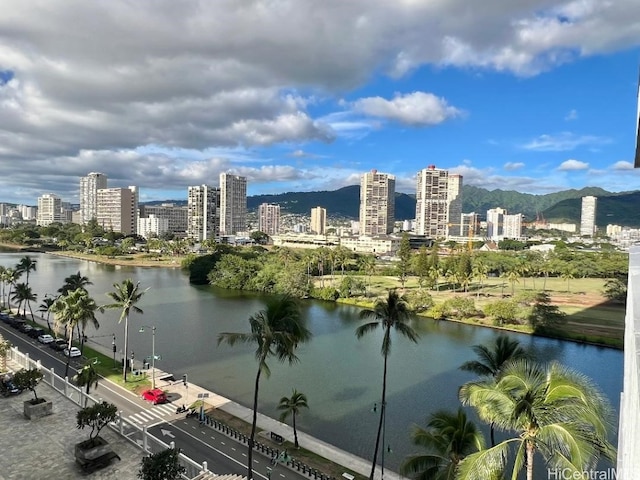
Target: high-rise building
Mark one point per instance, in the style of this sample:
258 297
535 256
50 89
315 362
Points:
588 216
512 226
438 203
233 204
203 213
269 218
118 209
89 187
495 223
49 209
175 215
318 220
377 203
152 226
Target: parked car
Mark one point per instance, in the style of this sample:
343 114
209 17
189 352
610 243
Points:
155 396
25 328
35 332
7 387
59 344
74 352
18 323
45 338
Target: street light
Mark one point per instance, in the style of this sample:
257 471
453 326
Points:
153 353
113 347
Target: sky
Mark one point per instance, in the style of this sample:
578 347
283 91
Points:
535 96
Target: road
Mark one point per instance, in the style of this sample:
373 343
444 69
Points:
198 442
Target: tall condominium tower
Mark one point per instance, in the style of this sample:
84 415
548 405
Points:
49 209
588 216
377 203
269 218
89 187
203 212
233 204
117 209
318 220
495 223
438 203
512 226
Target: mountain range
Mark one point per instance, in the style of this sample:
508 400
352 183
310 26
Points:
565 206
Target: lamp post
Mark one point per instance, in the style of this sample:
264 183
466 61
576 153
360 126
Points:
113 347
153 353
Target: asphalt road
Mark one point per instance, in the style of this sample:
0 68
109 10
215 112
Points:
198 442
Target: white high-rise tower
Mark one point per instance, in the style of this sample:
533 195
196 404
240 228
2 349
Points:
438 203
588 216
89 187
377 203
233 204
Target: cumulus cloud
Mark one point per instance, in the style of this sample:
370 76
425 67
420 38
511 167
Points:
513 166
622 165
564 141
415 109
571 164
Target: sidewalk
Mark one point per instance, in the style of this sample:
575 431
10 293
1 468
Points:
326 450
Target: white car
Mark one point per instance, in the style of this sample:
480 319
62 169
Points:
46 338
75 352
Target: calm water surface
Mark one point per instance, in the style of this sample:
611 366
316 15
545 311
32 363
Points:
340 375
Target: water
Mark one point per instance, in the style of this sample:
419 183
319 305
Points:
341 375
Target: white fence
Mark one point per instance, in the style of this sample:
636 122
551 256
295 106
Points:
136 435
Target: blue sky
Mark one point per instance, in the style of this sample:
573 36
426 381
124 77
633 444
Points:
534 96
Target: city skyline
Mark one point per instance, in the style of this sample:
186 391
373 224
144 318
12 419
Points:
534 96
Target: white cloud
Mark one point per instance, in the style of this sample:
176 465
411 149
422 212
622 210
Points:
564 141
622 165
416 109
571 115
509 166
571 164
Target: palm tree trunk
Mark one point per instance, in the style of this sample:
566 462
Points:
529 460
126 348
295 432
382 411
66 369
253 423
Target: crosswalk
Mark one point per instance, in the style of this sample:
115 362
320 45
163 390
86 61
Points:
156 412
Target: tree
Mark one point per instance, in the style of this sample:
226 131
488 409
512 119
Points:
615 290
125 297
367 264
404 259
10 276
447 439
73 282
291 406
26 265
24 296
549 408
29 380
492 359
392 312
66 312
45 307
480 271
422 263
87 377
275 331
163 465
97 417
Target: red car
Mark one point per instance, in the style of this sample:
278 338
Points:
155 396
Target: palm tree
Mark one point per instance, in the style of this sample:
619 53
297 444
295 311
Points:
73 282
492 359
291 406
87 377
394 312
66 312
86 313
275 331
550 409
45 307
24 296
447 439
26 265
480 271
11 277
125 296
